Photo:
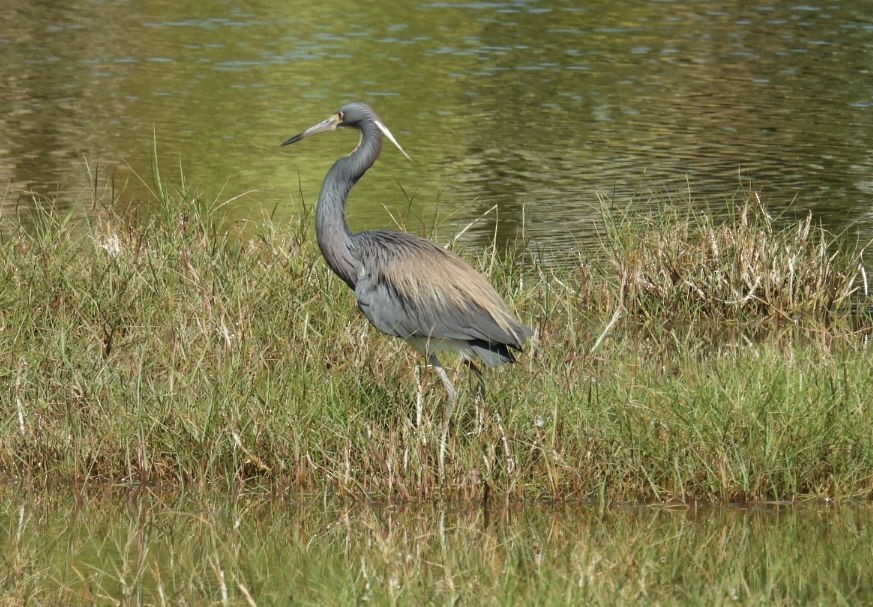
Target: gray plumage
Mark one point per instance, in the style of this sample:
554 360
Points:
407 286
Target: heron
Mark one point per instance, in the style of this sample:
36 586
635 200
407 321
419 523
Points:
405 285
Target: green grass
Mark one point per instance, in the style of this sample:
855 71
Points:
682 359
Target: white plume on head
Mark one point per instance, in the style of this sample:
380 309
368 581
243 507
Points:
390 137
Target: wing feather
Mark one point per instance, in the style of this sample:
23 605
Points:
409 287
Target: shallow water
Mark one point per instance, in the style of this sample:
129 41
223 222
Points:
182 549
536 108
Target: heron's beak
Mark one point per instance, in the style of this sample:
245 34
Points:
325 125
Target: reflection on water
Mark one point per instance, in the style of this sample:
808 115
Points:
187 550
536 107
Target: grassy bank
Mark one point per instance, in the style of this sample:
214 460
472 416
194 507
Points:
684 359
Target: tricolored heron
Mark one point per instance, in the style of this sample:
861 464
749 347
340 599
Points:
405 285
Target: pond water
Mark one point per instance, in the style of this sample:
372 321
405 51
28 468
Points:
537 108
224 550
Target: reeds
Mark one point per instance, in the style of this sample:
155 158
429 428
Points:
687 358
736 269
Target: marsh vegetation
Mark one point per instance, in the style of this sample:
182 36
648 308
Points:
172 548
692 356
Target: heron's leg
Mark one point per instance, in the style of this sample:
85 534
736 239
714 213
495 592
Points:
480 390
450 389
481 413
419 398
447 409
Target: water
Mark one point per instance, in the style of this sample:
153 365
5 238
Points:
180 549
537 108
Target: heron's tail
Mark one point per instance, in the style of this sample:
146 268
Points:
493 354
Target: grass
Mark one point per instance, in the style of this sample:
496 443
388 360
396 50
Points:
684 359
170 549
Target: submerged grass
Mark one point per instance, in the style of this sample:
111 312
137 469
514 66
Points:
685 359
170 549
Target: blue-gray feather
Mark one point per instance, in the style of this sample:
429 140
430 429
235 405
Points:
410 288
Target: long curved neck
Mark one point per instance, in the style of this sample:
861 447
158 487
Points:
332 232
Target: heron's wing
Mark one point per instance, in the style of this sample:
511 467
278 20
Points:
408 287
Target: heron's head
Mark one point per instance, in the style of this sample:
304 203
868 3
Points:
357 115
